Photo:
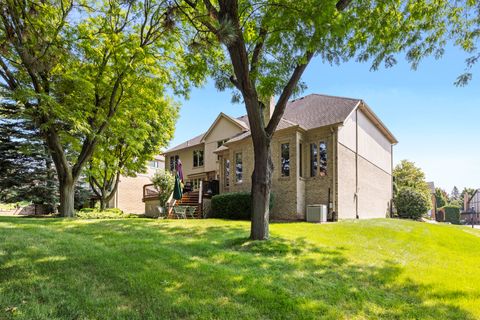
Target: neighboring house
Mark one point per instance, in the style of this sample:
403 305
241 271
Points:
433 198
473 203
326 150
129 195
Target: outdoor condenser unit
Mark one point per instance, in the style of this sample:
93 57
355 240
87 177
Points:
317 213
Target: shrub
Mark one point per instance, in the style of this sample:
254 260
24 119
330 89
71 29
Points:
113 213
234 205
411 204
164 182
452 214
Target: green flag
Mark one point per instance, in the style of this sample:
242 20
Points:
177 189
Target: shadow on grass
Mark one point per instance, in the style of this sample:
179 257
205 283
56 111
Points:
138 269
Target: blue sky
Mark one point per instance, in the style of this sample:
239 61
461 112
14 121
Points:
437 124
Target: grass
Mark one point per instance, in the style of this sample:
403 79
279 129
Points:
207 269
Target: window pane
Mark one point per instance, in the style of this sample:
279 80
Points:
323 158
172 163
200 158
195 158
313 160
227 172
285 147
238 167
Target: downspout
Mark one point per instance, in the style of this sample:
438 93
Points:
334 174
391 175
356 164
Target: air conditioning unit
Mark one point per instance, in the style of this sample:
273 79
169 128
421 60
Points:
317 213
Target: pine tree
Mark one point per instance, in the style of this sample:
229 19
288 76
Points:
26 169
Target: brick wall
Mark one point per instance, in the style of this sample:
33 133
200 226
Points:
284 188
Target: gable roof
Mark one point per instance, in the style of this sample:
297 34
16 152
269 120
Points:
239 123
473 196
283 124
309 112
315 110
187 144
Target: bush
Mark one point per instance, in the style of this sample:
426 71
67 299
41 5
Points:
411 204
113 213
234 205
452 214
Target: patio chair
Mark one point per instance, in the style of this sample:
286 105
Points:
180 212
191 211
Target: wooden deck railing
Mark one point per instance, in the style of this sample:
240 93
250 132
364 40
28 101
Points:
149 192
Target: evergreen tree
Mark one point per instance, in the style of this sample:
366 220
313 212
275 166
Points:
455 195
26 168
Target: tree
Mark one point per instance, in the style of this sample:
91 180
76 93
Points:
441 197
132 140
466 23
455 194
411 204
266 46
408 175
69 66
164 183
26 172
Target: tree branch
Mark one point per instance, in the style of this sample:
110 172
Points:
285 95
343 4
258 50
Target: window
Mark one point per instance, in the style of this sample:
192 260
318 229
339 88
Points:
155 164
195 183
285 154
313 160
300 160
173 163
238 168
227 172
322 148
198 158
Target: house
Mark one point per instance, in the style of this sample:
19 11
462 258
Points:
326 150
129 195
472 204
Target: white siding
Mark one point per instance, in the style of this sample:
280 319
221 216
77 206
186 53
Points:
373 146
374 183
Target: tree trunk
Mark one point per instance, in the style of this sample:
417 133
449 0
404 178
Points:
103 203
67 195
261 185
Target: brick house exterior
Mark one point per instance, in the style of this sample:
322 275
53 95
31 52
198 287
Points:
326 150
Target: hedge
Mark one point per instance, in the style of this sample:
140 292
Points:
233 205
452 214
111 213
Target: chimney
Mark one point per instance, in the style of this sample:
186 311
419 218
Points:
465 202
268 110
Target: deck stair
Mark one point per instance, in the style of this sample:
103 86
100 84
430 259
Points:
191 199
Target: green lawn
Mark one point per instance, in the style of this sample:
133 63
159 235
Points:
207 269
